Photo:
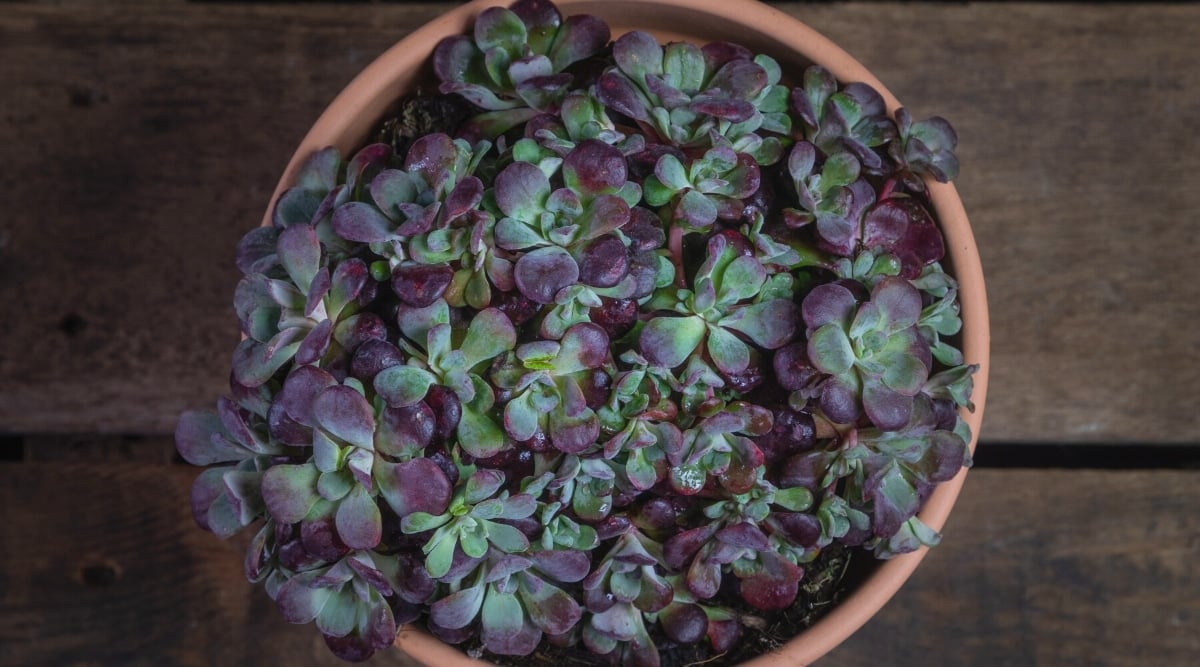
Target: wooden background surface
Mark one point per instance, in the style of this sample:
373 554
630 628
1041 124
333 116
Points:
139 141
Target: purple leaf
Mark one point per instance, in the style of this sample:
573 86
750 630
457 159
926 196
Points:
362 222
366 164
464 197
401 432
771 324
550 609
604 262
684 623
573 434
619 93
581 36
256 250
290 491
300 389
828 303
315 343
889 410
430 156
358 520
801 529
345 413
200 441
565 565
682 547
372 357
638 53
594 167
521 191
417 485
839 399
893 498
420 285
734 111
317 290
541 273
704 578
775 586
300 603
452 57
459 608
744 535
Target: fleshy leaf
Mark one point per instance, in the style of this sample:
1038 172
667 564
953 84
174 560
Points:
358 520
667 341
290 491
830 350
345 414
402 386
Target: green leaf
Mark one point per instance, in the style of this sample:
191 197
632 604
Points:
671 173
489 335
520 417
402 386
335 485
655 192
502 617
415 323
506 538
683 66
419 522
441 557
796 499
830 350
667 341
771 324
479 435
473 544
728 352
742 279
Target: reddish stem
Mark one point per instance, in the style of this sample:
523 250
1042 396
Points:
888 186
675 246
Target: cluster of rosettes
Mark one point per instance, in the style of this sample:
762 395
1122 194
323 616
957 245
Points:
647 334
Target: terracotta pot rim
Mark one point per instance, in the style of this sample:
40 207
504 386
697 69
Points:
348 119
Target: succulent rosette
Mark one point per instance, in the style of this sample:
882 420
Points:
671 336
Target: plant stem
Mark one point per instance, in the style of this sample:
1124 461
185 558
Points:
675 246
888 186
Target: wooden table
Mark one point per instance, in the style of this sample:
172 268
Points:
137 144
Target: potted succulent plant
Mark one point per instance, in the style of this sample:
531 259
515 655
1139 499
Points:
616 343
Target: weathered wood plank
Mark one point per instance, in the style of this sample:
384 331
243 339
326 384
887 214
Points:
140 144
1051 568
104 566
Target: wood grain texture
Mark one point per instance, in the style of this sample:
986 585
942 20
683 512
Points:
106 567
114 572
1057 568
139 144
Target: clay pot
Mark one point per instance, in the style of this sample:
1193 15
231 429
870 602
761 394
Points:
761 28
